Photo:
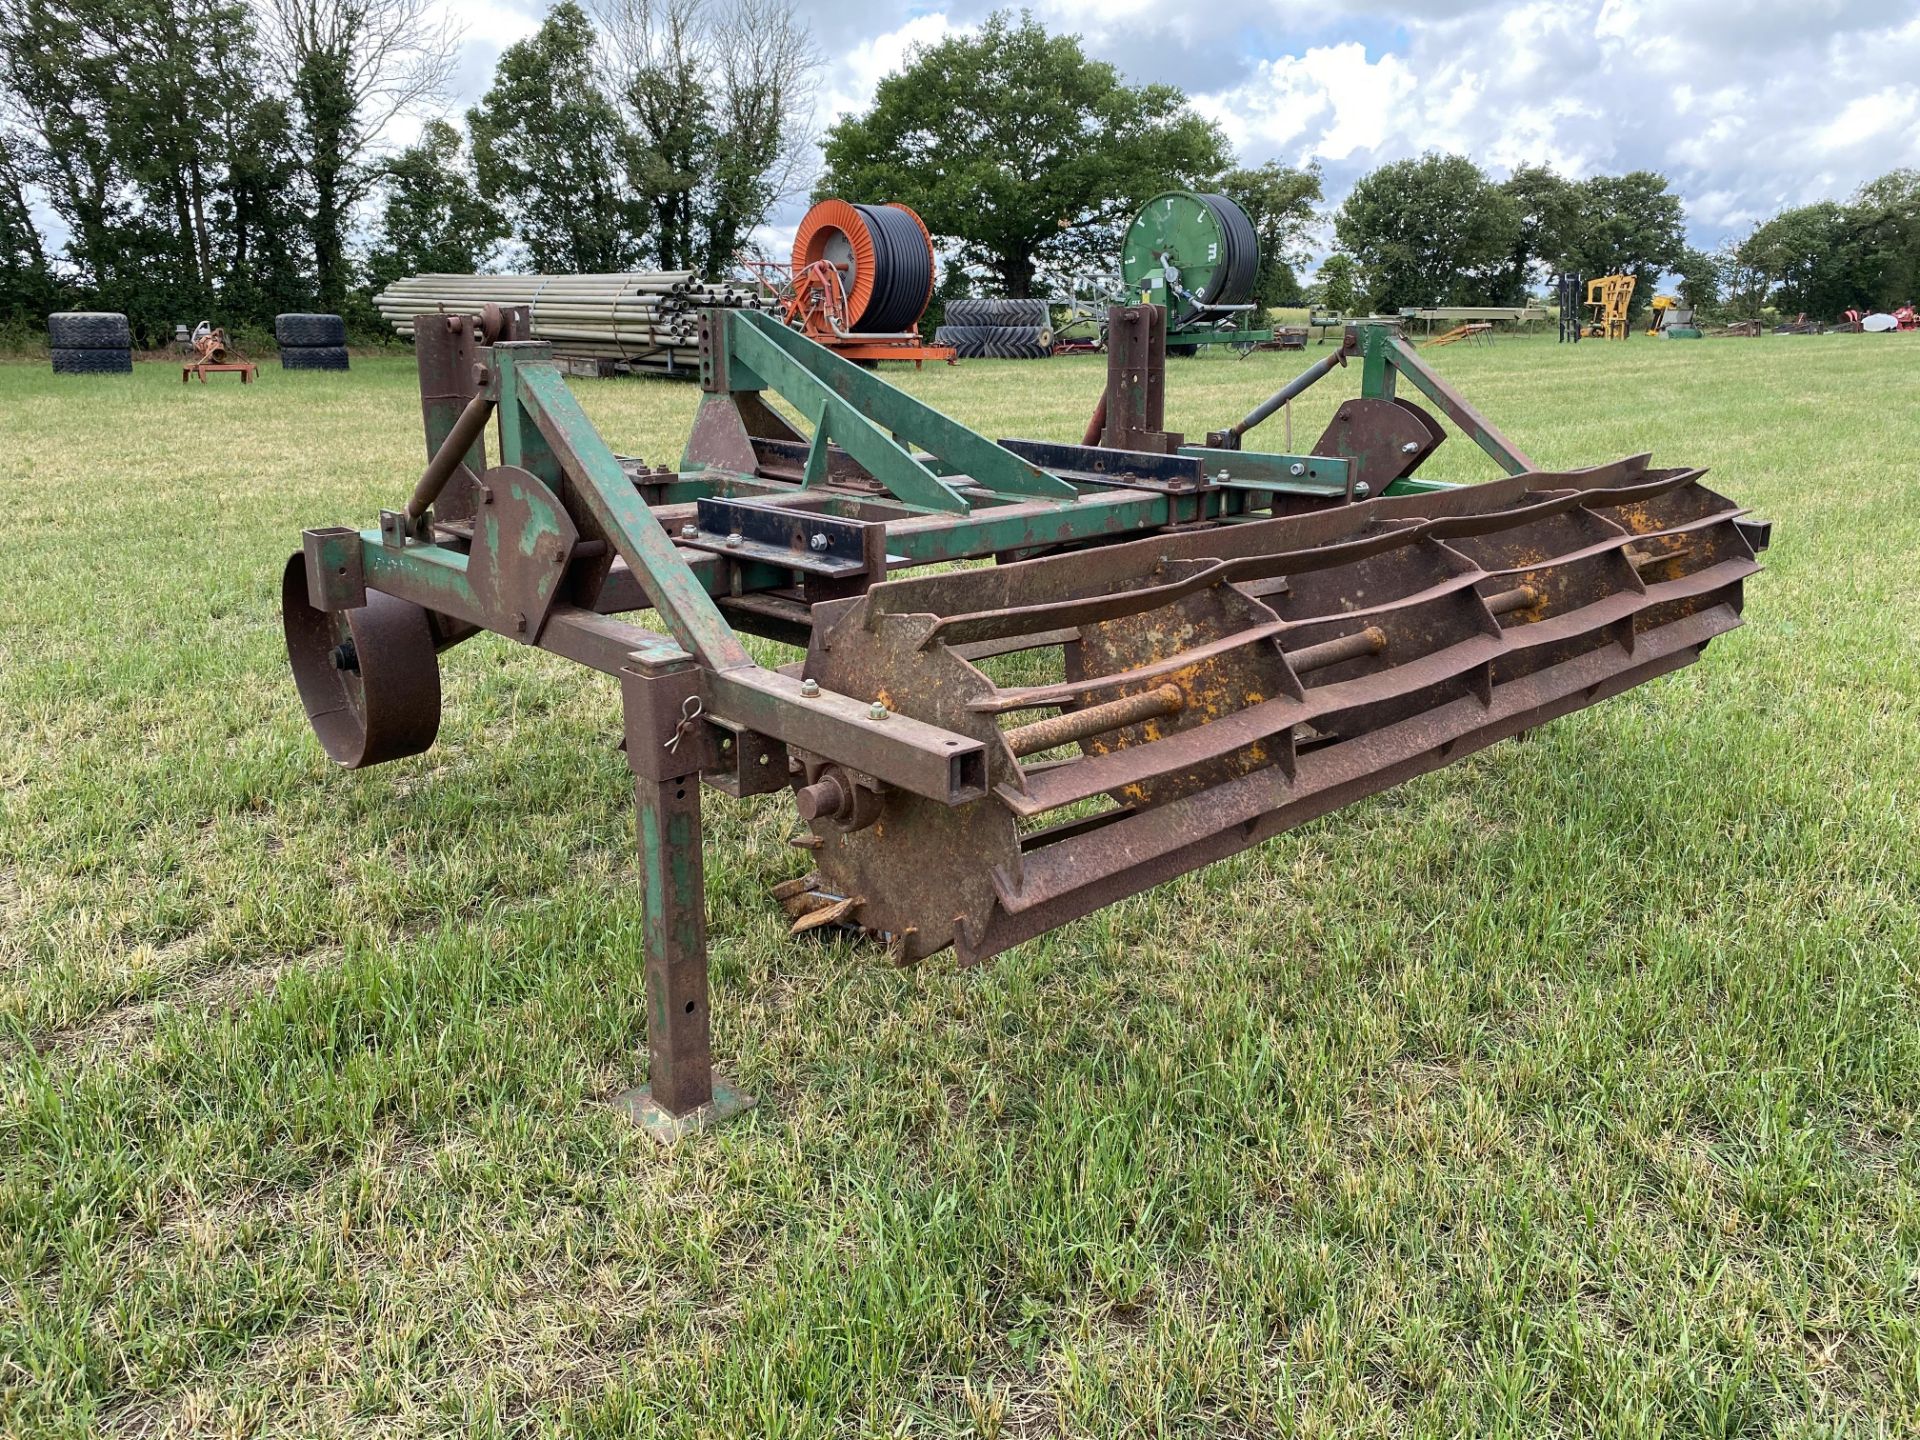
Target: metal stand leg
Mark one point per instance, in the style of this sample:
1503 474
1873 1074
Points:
680 1095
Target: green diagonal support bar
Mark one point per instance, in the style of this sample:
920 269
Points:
870 420
1401 357
537 395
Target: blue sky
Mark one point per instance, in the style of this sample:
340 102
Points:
1746 107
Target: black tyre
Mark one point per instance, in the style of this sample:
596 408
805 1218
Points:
979 310
309 330
313 357
92 360
996 342
88 330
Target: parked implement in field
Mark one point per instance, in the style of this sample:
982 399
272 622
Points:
1179 652
1198 256
860 281
1608 300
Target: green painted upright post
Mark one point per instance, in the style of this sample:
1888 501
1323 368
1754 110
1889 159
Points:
1376 369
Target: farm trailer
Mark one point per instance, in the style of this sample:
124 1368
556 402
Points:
1233 642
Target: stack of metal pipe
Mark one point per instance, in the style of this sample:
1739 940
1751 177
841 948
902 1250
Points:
649 320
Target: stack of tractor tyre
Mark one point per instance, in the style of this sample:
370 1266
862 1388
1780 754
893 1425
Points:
311 342
90 342
979 328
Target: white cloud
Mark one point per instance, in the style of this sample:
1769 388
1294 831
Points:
1333 98
853 74
1869 117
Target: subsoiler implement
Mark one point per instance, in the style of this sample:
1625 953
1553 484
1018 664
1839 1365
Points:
1177 652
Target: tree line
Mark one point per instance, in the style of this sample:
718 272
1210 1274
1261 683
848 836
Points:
221 158
1437 230
184 158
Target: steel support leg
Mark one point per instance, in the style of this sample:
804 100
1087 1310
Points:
681 1095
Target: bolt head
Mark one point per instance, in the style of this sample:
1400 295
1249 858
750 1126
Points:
876 711
1411 447
817 542
689 530
1361 490
736 538
810 689
1296 469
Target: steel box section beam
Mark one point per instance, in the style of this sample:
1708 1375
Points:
1322 476
864 415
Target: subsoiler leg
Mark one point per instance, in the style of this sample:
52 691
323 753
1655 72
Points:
679 1037
681 1094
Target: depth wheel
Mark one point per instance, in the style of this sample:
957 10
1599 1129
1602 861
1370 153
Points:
369 678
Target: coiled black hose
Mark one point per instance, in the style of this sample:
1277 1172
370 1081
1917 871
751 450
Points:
902 270
1233 279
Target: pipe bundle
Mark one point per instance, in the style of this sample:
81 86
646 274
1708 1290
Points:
648 319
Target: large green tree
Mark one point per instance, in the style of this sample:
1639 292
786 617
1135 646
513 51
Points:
1825 258
1280 201
1429 231
262 210
1884 221
1021 151
715 95
1628 224
26 280
552 150
119 135
1808 259
1336 287
433 219
1547 210
350 67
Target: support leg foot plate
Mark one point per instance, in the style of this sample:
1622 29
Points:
638 1106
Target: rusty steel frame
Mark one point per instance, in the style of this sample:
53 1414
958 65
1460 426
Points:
1245 640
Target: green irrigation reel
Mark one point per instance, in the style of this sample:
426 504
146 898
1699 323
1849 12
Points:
1197 255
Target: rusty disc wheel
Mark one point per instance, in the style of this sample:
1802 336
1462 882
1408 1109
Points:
369 678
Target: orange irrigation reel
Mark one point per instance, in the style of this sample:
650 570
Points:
860 281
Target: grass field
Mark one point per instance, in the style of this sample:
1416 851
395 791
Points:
1569 1091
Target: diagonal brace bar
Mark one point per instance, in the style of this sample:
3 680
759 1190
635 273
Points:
531 382
1475 426
864 408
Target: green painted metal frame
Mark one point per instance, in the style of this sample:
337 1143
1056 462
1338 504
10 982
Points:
543 430
1218 337
1384 357
949 494
870 419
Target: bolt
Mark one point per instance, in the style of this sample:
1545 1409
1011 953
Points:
1412 447
1222 477
689 531
736 538
817 542
481 375
345 657
809 689
1361 489
1296 469
876 711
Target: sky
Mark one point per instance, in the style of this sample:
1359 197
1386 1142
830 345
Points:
1746 106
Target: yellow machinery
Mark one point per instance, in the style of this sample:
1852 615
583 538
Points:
1659 312
1607 300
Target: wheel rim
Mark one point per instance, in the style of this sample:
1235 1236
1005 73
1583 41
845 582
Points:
368 678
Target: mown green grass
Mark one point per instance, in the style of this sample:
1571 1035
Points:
1569 1091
